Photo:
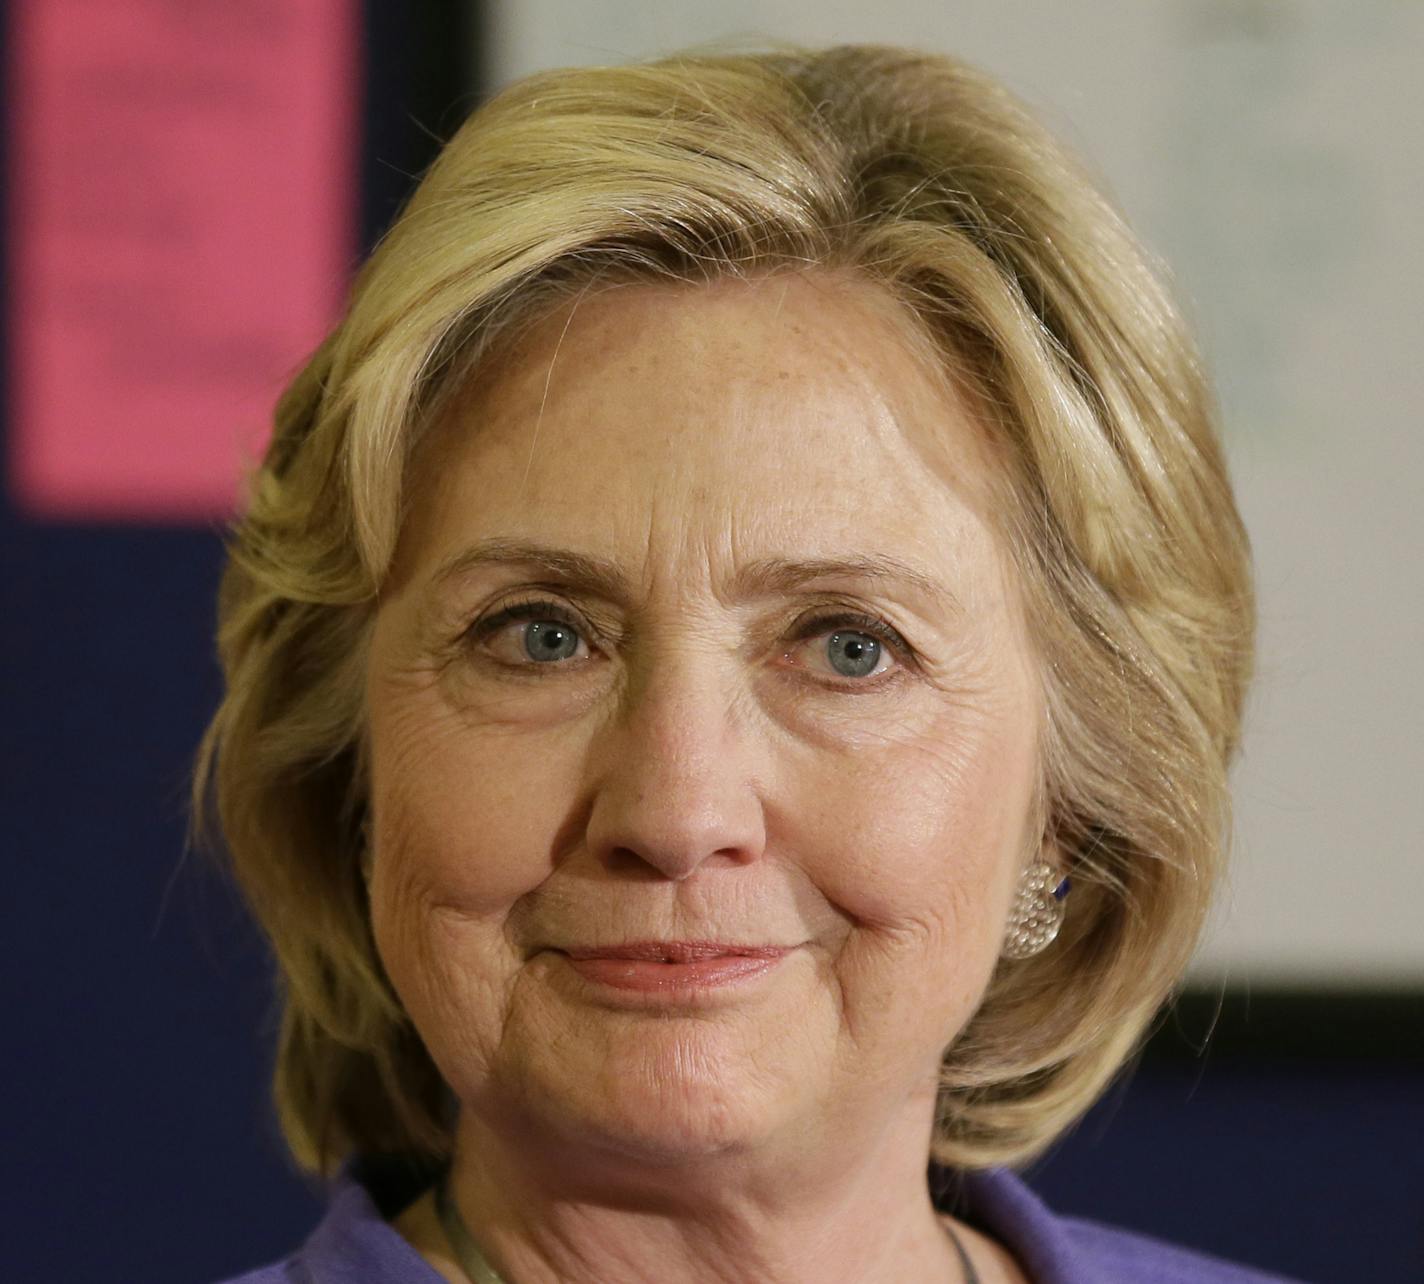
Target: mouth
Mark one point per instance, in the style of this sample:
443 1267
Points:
672 971
676 951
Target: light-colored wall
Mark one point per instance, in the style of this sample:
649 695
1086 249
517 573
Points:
1273 151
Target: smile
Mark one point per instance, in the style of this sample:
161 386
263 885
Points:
673 967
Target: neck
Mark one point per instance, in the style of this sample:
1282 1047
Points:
855 1207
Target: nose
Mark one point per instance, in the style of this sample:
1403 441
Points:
676 782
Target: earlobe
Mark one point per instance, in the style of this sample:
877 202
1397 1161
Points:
1038 909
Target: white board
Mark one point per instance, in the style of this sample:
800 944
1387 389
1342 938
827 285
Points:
1273 152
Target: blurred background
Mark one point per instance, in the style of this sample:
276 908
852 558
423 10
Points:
187 187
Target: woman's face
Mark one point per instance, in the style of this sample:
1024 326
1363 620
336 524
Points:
698 633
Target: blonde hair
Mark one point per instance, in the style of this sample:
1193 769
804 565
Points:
905 169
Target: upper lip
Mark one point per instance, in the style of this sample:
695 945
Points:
674 951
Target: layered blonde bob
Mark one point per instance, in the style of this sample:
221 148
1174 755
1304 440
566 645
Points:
905 169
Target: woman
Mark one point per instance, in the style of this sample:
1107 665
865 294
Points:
732 661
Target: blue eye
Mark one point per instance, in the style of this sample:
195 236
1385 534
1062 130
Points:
855 644
552 633
550 640
857 652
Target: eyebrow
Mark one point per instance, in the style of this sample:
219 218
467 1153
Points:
765 575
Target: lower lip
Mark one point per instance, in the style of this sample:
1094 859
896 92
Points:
647 976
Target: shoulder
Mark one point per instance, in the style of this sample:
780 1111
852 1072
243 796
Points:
1056 1249
353 1243
287 1271
1125 1255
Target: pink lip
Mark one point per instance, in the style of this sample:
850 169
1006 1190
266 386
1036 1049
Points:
662 966
677 951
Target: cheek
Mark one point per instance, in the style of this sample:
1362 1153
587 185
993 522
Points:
461 832
457 819
926 828
920 856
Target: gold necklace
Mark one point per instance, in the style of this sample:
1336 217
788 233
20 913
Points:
476 1265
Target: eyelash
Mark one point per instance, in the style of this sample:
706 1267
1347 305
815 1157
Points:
810 626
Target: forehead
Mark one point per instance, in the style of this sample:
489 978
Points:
794 413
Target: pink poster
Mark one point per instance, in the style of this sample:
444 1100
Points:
181 232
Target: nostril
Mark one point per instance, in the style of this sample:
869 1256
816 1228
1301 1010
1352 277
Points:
642 833
630 864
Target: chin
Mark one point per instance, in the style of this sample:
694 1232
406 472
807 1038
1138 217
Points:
667 1096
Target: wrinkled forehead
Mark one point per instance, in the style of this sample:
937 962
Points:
799 412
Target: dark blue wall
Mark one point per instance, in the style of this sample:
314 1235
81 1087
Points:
139 1145
1316 1171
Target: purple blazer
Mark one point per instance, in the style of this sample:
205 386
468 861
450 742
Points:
353 1244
